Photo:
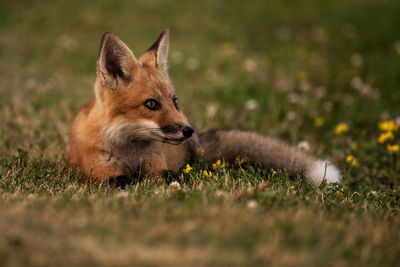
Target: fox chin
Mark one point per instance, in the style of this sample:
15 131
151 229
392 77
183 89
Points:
134 123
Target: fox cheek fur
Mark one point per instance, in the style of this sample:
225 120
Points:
124 133
134 123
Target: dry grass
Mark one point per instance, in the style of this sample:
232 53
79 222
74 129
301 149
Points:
274 67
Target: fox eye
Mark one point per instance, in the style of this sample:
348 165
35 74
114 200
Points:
175 101
152 104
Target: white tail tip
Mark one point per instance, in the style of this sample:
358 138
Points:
323 170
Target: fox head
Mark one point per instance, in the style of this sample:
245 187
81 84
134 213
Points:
137 96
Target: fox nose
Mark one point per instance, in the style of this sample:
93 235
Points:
187 131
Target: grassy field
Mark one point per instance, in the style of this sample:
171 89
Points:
323 74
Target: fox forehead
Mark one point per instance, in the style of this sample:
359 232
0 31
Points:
153 82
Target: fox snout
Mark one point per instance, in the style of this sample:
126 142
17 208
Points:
187 131
176 129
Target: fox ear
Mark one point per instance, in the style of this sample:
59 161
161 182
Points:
156 55
116 61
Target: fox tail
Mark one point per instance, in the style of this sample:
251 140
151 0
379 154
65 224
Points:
268 152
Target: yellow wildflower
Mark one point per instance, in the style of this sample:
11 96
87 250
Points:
352 160
216 164
318 122
239 160
353 146
393 148
388 125
341 128
228 49
188 169
384 137
301 75
201 153
207 173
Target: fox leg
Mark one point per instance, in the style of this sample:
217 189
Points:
120 181
101 166
167 160
157 167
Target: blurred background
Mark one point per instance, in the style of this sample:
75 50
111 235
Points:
322 75
292 69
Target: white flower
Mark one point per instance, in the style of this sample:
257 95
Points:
305 86
304 145
221 194
356 82
320 92
318 33
192 63
211 110
397 120
189 226
293 98
174 185
357 60
252 204
396 46
251 105
291 116
122 194
250 65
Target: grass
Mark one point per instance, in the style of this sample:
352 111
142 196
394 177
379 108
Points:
290 69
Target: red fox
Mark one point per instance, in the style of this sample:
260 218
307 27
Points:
134 124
